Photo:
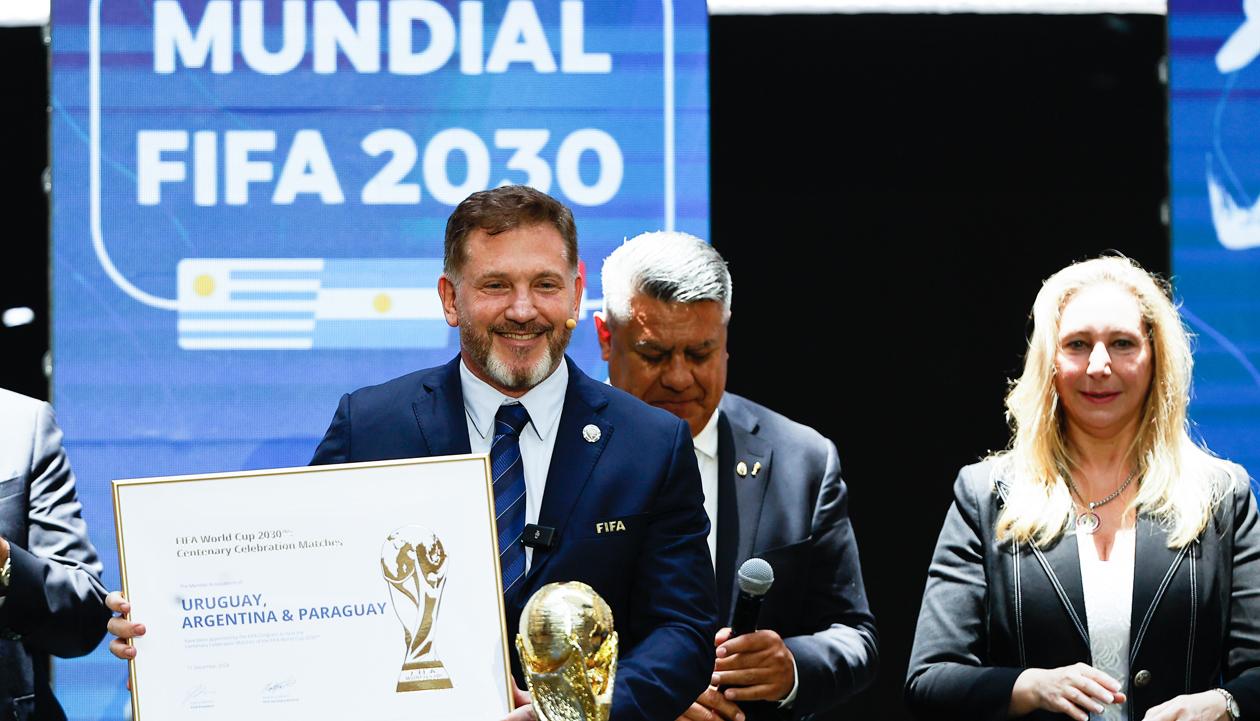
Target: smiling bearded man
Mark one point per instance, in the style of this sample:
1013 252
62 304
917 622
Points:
510 283
511 315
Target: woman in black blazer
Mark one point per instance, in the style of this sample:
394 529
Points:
1103 566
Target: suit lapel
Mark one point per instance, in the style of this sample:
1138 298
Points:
572 459
750 490
440 415
727 529
1154 565
1062 565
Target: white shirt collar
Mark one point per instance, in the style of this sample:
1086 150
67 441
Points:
706 441
544 401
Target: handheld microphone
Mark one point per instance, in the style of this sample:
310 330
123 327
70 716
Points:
755 578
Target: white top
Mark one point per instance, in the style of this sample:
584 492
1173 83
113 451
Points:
706 445
1108 588
544 402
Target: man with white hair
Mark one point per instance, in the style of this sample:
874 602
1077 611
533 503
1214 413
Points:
772 488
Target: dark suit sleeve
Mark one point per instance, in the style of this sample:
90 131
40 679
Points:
335 447
673 605
55 602
1242 643
840 659
948 676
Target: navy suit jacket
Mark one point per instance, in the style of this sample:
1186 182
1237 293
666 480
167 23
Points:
794 513
641 471
55 603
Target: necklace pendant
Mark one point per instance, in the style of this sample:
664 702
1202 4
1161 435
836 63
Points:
1087 522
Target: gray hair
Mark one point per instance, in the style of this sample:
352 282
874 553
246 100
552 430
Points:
669 266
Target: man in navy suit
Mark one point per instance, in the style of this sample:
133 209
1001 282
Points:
614 479
52 602
772 488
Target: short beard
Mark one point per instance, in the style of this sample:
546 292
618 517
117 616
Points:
480 348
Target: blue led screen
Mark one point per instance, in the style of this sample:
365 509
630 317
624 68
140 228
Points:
1214 114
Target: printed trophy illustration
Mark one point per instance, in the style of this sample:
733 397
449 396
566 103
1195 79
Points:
414 564
568 651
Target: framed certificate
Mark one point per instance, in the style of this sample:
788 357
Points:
368 591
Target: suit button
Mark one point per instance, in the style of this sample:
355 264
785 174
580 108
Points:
1142 678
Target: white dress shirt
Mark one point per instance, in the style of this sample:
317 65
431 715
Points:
544 402
706 445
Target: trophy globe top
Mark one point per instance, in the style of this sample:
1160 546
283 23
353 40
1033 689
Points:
569 624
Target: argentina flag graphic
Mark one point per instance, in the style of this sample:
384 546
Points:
308 303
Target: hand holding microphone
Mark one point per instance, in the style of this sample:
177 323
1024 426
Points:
752 664
754 578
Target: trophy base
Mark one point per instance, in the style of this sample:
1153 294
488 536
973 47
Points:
423 676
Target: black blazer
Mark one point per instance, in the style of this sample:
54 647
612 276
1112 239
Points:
992 609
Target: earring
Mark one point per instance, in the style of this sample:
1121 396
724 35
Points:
570 324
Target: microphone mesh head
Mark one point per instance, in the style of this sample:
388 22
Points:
755 577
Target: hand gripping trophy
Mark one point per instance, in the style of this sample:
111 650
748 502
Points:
414 564
568 652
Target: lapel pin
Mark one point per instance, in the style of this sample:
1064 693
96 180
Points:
741 469
756 468
591 433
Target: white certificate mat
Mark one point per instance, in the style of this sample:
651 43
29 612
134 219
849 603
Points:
366 591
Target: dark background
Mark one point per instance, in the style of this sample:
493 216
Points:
24 266
890 191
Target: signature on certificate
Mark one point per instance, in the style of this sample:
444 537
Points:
281 690
199 697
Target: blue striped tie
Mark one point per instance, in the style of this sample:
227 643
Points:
509 490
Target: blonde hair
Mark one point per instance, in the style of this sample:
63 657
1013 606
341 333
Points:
1180 482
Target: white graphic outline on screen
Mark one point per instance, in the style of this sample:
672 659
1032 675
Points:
1237 225
94 180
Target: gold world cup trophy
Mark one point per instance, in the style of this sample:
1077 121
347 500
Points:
414 564
568 652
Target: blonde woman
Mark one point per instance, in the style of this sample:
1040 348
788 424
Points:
1103 566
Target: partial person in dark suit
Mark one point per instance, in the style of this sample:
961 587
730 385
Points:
615 479
1103 566
52 602
772 487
